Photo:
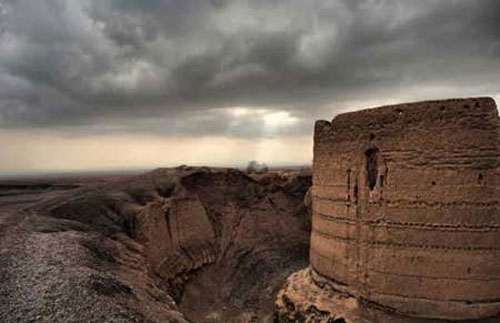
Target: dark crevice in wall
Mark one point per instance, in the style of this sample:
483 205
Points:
372 167
356 193
348 184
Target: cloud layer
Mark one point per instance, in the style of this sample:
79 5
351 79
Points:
191 67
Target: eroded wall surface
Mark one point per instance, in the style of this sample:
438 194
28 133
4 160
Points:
406 207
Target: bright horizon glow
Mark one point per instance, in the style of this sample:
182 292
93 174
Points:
43 151
278 119
48 152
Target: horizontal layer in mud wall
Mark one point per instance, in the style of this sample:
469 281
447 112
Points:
406 207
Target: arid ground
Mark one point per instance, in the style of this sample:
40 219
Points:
172 245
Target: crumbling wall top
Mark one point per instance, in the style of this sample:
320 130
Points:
400 116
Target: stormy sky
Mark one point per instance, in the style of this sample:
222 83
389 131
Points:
100 84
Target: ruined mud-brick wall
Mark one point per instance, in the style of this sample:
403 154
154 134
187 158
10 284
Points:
406 207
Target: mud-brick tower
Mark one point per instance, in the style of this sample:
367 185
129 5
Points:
406 208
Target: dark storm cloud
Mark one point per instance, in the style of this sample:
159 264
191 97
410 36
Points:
168 66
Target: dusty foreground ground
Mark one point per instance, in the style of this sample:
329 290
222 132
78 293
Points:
172 245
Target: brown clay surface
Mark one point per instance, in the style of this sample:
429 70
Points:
406 208
172 245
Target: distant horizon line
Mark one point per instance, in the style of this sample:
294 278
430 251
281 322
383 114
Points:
124 171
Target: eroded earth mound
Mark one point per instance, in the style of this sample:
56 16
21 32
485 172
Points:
173 245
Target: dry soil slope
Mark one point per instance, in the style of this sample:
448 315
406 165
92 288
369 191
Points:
214 244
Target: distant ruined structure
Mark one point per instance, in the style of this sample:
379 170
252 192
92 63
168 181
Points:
406 217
